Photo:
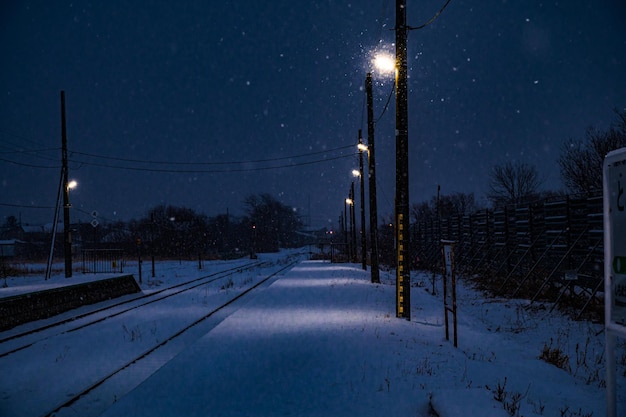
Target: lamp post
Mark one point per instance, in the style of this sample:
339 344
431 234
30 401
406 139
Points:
346 243
359 173
67 236
385 64
371 165
67 233
356 174
403 270
352 231
353 220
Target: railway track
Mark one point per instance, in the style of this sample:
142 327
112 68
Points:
96 384
123 368
100 314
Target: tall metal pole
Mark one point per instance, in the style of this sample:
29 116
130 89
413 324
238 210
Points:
403 271
67 235
345 230
363 241
352 223
371 164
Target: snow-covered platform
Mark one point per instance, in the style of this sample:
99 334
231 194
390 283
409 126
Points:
36 299
323 340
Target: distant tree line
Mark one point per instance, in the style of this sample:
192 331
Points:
266 226
180 232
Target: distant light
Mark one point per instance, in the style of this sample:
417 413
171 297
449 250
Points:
349 201
385 63
72 184
362 147
356 173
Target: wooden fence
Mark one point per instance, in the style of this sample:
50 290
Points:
549 250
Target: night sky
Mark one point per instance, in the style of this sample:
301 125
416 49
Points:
203 103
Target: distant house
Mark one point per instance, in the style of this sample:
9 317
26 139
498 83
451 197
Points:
17 248
33 241
7 248
29 241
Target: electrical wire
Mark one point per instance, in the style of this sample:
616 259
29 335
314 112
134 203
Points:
24 206
210 171
393 87
208 163
28 150
24 164
16 149
432 19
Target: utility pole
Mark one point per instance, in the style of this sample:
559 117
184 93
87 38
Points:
371 164
403 270
363 242
345 230
67 234
352 222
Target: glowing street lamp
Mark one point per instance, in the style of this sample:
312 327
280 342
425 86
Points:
385 63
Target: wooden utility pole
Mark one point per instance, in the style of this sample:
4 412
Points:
67 234
403 271
371 164
361 174
352 224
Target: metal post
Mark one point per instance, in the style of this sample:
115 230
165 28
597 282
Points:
352 223
345 230
152 241
363 242
371 164
403 271
139 258
67 235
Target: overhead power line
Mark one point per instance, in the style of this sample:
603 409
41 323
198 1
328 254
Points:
151 162
236 166
25 164
432 19
25 206
213 171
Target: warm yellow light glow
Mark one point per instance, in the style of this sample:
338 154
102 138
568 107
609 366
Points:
72 184
362 147
385 63
356 173
349 201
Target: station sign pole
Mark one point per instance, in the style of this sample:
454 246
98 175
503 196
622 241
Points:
614 184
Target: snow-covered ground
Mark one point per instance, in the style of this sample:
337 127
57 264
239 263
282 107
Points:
322 340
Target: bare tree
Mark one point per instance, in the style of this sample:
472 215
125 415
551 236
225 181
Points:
275 223
581 161
457 204
513 183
